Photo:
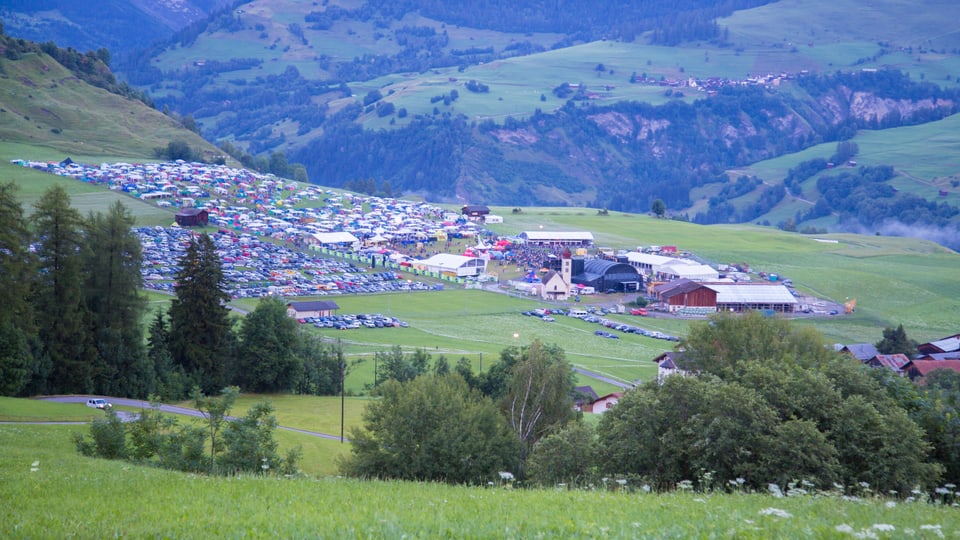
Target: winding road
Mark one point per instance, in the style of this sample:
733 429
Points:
172 409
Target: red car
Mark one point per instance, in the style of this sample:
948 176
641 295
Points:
639 311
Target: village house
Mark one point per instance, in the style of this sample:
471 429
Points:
603 403
670 363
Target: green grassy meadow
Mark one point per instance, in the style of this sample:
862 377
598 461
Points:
49 491
44 105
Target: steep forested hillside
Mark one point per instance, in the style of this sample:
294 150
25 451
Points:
118 25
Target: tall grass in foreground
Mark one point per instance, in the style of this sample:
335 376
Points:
48 491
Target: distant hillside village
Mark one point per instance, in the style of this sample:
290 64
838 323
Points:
278 237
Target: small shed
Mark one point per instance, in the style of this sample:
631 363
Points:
314 308
192 217
475 210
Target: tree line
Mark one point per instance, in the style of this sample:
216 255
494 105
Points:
243 445
92 67
74 314
765 403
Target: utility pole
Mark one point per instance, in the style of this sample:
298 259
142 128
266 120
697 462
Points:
342 377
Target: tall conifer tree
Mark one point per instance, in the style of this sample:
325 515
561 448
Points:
113 257
62 318
201 337
17 268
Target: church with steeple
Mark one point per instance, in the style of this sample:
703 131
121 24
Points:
558 285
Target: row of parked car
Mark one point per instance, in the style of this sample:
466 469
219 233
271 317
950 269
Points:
254 268
593 315
350 322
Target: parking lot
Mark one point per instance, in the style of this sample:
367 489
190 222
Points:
351 322
595 315
254 267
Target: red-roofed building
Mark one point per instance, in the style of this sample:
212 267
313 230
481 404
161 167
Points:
919 369
895 362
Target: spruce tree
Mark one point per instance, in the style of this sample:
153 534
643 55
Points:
113 258
62 317
17 268
201 336
895 341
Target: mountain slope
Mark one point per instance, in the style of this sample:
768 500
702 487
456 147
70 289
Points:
43 104
118 25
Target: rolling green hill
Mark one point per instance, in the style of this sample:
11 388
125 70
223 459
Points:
42 104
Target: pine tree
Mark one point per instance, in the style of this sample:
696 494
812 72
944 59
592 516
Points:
62 318
113 257
201 335
895 341
17 268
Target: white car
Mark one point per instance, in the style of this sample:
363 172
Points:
99 403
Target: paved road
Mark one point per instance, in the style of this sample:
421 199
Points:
604 378
129 416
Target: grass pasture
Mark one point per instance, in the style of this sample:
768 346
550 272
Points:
809 25
49 491
895 279
45 105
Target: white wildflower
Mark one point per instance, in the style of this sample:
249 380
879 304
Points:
700 500
777 512
775 490
890 504
844 528
646 488
622 481
506 475
884 527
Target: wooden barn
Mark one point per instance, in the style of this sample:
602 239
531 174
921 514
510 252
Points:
695 298
192 217
475 211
